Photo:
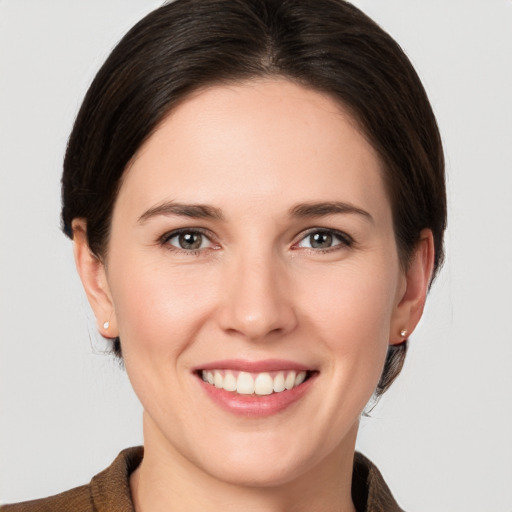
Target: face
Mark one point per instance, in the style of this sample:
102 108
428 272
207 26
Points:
254 280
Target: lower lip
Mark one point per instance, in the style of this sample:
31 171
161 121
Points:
257 406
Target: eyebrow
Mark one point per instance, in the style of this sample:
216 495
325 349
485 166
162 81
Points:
321 209
204 211
195 211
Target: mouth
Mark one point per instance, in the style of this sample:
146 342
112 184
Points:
254 383
255 388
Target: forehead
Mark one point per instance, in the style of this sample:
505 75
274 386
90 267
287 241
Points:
263 140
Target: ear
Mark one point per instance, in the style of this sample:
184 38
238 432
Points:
413 293
94 279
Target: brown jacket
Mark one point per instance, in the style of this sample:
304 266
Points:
109 491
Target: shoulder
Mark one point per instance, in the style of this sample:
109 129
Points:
108 491
78 499
369 490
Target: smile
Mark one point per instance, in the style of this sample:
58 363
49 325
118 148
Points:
255 389
246 383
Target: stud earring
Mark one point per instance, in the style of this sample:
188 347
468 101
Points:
403 333
106 325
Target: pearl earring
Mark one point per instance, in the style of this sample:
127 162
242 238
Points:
403 333
106 325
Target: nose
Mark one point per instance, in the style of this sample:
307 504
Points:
257 303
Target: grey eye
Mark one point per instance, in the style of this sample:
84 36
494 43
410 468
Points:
325 239
188 240
321 240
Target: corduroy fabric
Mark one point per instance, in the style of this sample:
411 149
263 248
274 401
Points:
109 491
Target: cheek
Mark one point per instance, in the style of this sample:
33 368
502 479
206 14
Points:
159 307
159 311
355 299
350 312
146 306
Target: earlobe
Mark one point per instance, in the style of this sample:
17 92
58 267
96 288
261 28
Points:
94 280
411 300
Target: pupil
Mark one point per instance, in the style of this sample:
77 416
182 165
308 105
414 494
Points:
190 240
321 240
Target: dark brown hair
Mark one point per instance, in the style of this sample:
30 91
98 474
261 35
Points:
327 45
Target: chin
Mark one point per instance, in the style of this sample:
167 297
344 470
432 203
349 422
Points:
266 459
262 472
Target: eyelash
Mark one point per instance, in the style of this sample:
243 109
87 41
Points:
345 241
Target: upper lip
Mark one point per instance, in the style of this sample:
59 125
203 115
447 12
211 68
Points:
242 365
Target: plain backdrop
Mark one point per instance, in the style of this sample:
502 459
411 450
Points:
442 436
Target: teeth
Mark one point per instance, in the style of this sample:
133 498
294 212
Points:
264 384
229 382
301 377
289 381
218 380
245 384
259 384
279 382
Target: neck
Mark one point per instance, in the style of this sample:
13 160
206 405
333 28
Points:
167 481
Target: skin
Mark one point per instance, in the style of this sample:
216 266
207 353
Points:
255 290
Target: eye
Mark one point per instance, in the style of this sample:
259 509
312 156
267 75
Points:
323 239
189 240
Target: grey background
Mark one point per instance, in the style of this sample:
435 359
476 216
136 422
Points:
441 436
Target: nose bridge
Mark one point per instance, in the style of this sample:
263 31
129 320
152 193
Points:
256 303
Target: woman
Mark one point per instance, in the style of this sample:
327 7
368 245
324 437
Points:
255 193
